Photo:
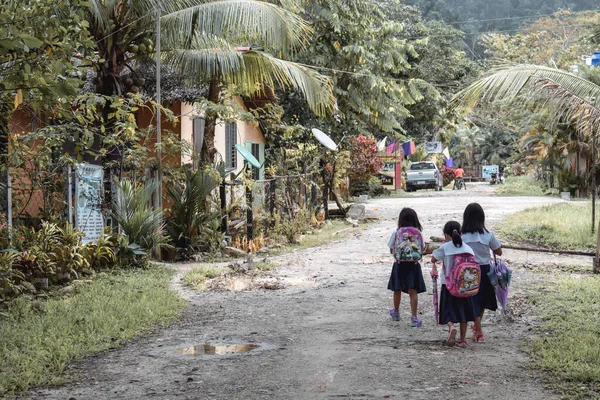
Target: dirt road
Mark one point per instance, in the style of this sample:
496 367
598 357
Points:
327 334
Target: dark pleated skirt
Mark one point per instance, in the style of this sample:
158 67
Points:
486 297
455 309
405 276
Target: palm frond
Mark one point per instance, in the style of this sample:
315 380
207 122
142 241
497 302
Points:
514 81
558 92
252 20
209 56
260 67
250 71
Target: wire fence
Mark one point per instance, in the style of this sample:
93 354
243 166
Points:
53 198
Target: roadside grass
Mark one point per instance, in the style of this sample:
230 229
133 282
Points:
197 277
39 339
569 351
561 268
335 230
523 185
561 226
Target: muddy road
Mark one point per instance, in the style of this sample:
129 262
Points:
327 334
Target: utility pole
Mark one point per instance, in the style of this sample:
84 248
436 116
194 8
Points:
159 190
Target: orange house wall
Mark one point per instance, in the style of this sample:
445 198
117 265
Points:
22 122
147 117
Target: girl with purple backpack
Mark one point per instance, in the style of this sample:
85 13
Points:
406 273
452 309
481 241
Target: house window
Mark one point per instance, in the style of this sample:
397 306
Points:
197 139
230 142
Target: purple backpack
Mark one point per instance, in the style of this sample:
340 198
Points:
408 245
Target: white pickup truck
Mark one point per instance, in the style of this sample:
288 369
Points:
424 175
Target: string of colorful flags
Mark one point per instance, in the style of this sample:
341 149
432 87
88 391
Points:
409 148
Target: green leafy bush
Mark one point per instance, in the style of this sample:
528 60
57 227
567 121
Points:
375 187
291 227
192 225
140 222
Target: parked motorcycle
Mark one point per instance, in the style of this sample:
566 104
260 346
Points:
493 178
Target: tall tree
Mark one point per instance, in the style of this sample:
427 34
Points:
360 47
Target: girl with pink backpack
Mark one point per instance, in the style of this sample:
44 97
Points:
460 277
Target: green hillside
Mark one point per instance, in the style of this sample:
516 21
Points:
476 16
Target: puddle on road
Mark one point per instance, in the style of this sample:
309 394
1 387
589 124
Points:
207 349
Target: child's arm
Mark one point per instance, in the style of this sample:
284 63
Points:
434 271
427 249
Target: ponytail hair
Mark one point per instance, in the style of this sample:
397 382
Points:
452 228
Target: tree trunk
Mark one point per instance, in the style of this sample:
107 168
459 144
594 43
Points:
208 147
593 183
4 133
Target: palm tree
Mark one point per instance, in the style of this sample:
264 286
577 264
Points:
201 39
561 94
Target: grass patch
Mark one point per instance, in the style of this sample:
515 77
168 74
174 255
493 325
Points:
523 185
320 237
263 266
196 277
570 349
39 339
561 226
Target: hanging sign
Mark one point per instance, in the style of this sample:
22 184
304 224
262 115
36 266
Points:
88 197
433 147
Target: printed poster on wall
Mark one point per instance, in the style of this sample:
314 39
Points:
88 197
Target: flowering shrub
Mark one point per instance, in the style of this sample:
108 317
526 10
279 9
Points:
447 174
364 162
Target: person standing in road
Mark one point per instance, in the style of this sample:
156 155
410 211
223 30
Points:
476 236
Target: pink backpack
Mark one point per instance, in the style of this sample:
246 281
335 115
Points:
465 276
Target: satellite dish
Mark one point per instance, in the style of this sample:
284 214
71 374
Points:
248 156
324 139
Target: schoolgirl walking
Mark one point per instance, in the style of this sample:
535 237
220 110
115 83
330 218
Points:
406 244
460 278
481 240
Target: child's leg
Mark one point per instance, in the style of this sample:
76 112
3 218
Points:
451 335
414 301
479 330
463 330
397 295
